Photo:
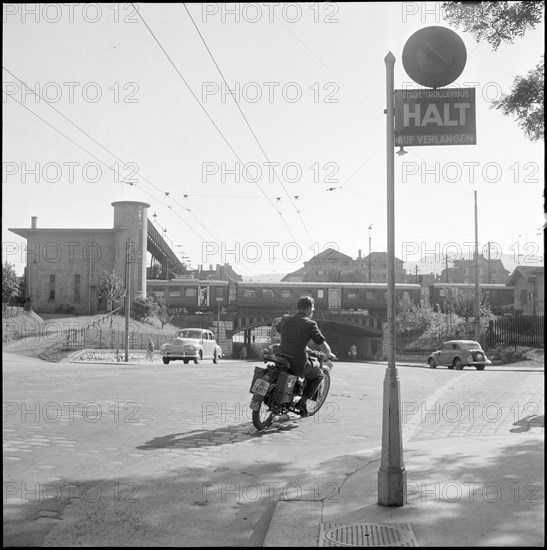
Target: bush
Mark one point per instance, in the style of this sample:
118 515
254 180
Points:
509 354
143 308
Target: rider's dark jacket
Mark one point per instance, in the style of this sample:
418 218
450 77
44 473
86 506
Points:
296 331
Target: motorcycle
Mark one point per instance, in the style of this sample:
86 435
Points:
276 392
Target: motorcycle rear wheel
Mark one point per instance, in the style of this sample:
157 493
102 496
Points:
320 396
263 417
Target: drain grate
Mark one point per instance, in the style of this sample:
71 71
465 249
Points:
366 534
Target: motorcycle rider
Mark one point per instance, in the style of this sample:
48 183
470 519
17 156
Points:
296 331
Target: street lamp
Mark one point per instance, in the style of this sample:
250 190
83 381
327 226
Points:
369 253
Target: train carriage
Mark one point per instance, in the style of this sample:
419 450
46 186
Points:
190 294
499 297
327 295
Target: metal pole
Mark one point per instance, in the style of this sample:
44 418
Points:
127 299
392 473
370 253
477 326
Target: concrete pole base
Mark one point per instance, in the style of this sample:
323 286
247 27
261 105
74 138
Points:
392 486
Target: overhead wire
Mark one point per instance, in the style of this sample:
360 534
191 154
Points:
207 114
247 121
102 147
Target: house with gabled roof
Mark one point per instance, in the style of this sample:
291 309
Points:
529 289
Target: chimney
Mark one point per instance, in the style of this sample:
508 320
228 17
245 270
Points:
359 257
33 222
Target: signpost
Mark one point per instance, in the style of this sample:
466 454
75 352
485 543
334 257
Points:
432 57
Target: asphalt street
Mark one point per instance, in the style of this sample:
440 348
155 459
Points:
156 455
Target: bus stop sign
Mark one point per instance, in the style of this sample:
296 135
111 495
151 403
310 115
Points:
434 57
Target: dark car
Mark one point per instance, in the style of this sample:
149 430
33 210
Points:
456 354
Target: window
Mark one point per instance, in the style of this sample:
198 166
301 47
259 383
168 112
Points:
76 288
190 292
286 294
268 293
248 293
320 293
158 291
370 295
52 288
220 291
175 291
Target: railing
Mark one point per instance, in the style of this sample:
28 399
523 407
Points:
75 338
516 330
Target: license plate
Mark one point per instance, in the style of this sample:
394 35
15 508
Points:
260 387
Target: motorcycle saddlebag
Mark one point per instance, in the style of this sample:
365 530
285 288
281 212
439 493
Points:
284 388
258 373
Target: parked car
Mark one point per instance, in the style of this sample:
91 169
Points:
456 354
191 343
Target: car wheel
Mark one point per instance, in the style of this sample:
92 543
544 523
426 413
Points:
186 361
165 360
215 358
432 364
480 367
458 365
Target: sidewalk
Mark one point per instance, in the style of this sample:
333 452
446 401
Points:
476 483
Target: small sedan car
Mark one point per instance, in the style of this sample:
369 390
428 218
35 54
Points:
191 343
456 354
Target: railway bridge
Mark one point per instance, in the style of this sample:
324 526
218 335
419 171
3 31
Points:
341 328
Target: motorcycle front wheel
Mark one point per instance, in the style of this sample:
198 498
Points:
263 417
320 396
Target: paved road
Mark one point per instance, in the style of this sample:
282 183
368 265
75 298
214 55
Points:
147 455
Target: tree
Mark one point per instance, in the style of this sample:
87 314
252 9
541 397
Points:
462 302
162 311
112 288
502 22
526 102
10 283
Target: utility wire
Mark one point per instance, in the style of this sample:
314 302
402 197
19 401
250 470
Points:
207 114
110 153
246 120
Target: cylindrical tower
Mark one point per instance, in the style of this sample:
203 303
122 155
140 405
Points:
131 221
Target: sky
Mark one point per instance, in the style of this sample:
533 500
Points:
257 133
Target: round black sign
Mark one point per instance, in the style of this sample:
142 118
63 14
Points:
434 56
